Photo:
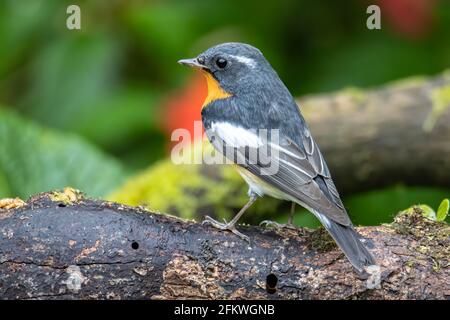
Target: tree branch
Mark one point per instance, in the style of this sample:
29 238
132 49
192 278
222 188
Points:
60 245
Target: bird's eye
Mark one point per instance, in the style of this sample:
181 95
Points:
221 63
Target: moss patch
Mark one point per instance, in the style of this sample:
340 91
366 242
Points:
68 196
356 94
432 238
440 99
407 83
321 240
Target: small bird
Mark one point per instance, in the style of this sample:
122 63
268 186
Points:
246 97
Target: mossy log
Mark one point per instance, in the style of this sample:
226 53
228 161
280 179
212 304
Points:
62 246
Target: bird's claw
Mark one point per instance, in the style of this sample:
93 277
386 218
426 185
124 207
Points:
225 226
214 223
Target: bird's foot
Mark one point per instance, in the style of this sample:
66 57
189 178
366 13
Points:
11 203
225 226
276 225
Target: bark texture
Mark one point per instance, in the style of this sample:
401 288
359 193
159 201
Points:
374 138
60 245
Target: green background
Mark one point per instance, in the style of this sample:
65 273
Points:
84 107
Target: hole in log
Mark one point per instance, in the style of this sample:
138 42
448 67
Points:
135 245
271 283
61 205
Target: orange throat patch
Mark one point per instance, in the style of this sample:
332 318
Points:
215 92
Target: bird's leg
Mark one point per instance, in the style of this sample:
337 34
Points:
291 215
231 226
276 225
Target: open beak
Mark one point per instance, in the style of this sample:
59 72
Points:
193 63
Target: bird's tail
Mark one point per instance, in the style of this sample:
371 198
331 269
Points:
350 243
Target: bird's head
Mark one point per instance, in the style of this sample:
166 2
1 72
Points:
232 68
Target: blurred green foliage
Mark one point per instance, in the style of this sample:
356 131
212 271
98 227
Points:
103 87
34 159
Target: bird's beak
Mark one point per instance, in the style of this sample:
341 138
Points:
193 63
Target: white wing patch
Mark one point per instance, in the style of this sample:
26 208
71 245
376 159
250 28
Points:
247 61
235 136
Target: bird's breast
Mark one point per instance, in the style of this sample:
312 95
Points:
215 91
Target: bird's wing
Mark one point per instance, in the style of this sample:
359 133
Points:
296 169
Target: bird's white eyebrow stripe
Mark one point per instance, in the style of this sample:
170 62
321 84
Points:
248 61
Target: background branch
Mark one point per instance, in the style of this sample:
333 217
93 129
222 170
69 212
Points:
397 133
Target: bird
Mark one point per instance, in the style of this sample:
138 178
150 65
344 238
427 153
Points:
246 97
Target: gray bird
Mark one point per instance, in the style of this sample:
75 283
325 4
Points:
247 97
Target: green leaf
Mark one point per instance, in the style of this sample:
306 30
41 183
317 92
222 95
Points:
442 211
34 159
428 212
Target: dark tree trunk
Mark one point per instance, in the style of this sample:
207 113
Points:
74 248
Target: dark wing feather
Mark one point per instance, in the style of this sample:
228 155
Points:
316 190
302 172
